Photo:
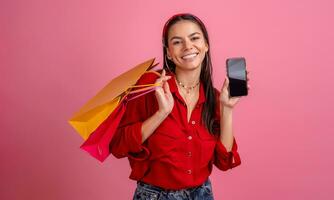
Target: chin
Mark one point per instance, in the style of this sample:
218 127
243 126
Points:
189 67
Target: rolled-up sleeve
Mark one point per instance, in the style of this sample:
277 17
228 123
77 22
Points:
127 141
224 159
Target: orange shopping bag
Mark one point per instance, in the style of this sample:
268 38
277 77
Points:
97 109
101 114
97 144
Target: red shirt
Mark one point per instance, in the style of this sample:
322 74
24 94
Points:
179 154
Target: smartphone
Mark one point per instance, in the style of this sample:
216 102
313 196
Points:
236 72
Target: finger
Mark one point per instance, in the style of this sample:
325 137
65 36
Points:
166 87
235 100
226 82
158 81
163 74
163 77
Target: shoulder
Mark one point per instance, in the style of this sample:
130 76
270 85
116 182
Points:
149 77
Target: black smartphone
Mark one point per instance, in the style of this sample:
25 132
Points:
236 72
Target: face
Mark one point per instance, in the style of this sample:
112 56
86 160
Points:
186 45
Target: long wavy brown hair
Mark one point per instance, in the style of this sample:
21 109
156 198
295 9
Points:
206 71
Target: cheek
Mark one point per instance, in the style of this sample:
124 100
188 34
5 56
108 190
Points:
202 45
175 51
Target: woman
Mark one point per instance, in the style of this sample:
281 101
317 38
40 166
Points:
173 137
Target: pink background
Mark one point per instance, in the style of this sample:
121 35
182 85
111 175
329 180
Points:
55 55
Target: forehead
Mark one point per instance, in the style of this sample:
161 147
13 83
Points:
183 28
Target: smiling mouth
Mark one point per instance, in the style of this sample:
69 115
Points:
189 56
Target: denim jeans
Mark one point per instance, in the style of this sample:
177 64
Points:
149 192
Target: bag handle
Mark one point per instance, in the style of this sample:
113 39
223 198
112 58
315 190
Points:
146 85
147 88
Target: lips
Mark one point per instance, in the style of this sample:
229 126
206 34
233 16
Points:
189 56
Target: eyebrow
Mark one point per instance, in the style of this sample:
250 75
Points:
176 37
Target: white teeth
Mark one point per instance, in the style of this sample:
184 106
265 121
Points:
189 56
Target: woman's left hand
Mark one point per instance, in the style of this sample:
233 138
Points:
225 98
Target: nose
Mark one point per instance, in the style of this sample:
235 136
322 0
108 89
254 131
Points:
188 44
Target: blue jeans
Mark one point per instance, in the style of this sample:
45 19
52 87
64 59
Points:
149 192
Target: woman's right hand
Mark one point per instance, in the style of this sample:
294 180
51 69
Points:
163 94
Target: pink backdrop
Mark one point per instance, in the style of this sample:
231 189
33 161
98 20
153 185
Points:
55 55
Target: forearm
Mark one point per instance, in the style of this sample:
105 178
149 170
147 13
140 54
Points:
226 132
151 124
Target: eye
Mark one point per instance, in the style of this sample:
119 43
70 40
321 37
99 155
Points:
195 38
176 42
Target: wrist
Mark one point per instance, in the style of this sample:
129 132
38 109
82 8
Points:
162 114
225 109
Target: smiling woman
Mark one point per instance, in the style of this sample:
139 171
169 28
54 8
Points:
174 136
188 35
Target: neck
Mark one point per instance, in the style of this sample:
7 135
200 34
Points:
188 77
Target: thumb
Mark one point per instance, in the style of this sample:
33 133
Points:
226 82
166 87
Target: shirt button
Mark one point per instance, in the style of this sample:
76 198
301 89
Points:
190 137
189 154
189 171
193 122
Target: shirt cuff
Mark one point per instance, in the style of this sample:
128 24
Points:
137 150
232 157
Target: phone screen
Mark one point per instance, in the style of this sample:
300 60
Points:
236 72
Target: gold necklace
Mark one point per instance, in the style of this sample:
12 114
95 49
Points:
188 88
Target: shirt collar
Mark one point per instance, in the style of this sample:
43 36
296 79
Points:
173 88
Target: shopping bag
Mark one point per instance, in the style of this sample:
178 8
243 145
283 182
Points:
98 143
98 108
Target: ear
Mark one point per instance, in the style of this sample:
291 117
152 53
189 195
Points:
168 53
206 47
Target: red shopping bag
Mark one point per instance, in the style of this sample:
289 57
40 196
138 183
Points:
97 144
